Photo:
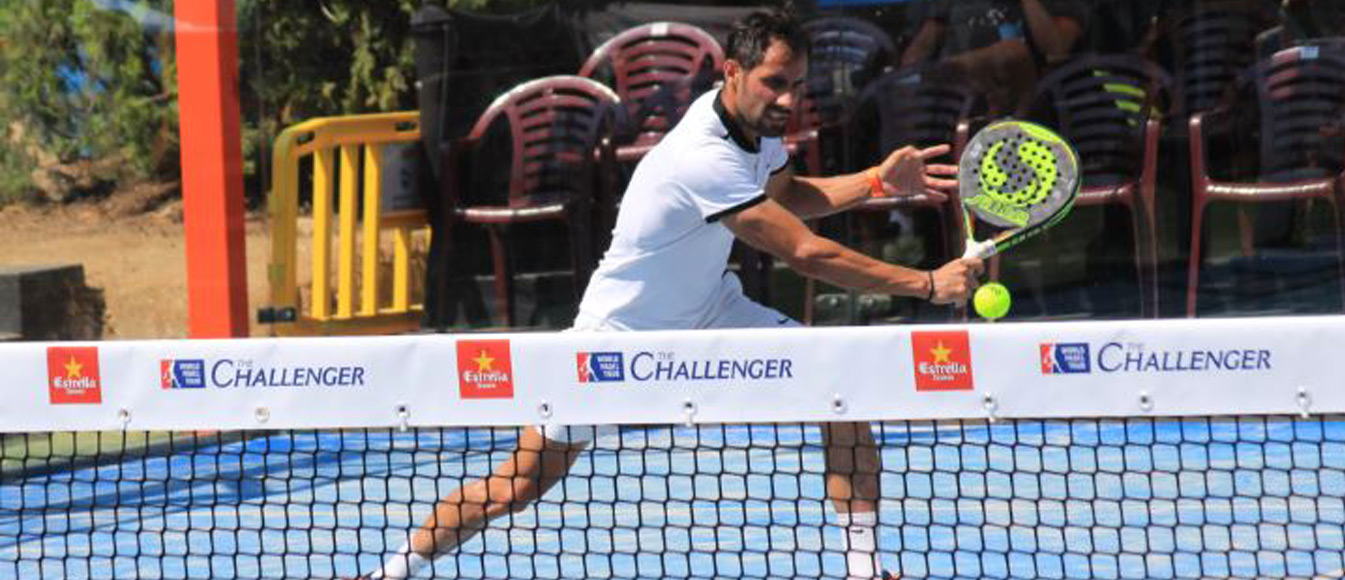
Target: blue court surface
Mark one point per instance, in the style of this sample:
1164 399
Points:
1198 498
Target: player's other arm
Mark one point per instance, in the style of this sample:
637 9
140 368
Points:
1055 35
925 43
905 172
773 229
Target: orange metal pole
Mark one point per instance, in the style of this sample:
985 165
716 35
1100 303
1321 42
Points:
212 167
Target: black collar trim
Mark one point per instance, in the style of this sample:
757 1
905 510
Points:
735 131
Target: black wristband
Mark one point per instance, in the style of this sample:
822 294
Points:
930 273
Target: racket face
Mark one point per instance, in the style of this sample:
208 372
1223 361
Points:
1016 174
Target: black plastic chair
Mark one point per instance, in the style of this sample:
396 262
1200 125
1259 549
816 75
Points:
1212 43
846 54
1109 108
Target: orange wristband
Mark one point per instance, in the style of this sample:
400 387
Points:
875 183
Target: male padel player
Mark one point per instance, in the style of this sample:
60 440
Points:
721 173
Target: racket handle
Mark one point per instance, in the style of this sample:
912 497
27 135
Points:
979 250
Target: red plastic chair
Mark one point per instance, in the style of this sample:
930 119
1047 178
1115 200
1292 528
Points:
1108 107
559 135
1300 97
657 69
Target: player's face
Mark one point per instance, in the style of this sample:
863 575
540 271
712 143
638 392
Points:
765 96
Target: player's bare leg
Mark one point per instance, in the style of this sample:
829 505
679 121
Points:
853 467
533 468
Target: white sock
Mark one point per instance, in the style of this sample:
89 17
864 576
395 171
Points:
401 565
861 553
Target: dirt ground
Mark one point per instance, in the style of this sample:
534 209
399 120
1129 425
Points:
137 258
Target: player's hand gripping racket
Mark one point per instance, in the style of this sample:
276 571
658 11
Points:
1019 177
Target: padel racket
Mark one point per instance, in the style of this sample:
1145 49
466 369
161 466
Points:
1016 176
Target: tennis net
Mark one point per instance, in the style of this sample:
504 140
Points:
1155 450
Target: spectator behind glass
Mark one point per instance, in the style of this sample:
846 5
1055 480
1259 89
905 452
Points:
1304 20
1002 46
1125 26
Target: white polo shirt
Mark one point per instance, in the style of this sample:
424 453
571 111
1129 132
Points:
667 267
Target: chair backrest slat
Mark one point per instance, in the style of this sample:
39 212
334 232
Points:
1101 104
1301 96
1213 42
657 69
555 124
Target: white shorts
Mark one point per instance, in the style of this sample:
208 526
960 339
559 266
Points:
733 309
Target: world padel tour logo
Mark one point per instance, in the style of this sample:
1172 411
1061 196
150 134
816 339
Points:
182 374
1137 357
1064 358
72 375
942 360
669 367
600 367
485 370
226 373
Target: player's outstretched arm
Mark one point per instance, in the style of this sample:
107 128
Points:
770 228
906 172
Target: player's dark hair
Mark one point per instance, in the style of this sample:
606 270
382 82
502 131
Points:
752 35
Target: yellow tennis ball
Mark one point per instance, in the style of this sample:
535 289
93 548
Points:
992 301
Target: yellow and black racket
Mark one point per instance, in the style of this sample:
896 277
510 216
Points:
1016 176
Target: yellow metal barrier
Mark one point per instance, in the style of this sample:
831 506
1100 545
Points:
357 212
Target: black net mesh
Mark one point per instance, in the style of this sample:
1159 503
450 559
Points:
1216 497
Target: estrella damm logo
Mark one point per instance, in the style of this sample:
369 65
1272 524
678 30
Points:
72 375
1062 358
942 360
600 367
182 373
485 370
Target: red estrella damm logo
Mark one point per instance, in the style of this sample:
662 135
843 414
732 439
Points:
72 375
942 360
485 370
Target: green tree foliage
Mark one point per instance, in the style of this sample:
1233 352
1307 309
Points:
80 82
93 83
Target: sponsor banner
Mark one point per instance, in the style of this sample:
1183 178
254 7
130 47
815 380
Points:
182 374
244 373
485 369
1139 358
670 367
1283 366
942 360
601 367
1065 358
72 372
